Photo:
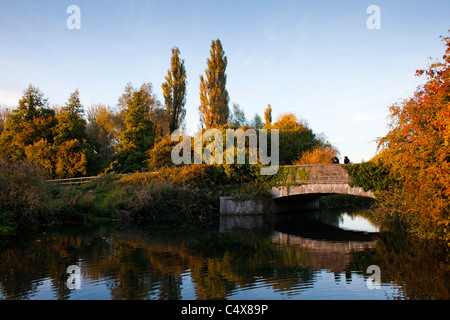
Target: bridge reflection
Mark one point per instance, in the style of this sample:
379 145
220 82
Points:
326 246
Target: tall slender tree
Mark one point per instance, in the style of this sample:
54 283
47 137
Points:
174 91
214 98
268 116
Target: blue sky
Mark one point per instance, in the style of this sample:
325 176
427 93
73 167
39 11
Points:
316 59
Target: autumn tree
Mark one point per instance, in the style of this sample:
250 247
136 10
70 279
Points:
322 154
214 98
30 122
137 137
174 91
268 116
73 152
103 128
70 154
70 122
416 150
295 137
156 112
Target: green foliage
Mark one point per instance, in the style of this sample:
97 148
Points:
102 130
237 117
55 143
160 155
70 122
256 122
30 122
371 175
195 176
23 199
214 98
174 90
295 138
137 137
249 182
156 112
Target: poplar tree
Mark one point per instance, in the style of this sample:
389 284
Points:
174 91
214 98
268 116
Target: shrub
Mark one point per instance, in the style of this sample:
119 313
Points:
160 155
197 175
371 175
23 198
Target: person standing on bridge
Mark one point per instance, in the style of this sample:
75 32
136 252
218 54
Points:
346 160
335 160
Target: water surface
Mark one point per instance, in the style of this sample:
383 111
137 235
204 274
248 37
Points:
315 255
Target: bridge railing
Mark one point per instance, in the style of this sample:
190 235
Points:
70 181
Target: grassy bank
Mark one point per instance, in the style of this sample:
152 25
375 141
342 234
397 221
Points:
179 195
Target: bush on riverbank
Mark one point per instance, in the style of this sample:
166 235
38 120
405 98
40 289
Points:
22 195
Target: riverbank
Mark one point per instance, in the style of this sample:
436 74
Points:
179 195
111 197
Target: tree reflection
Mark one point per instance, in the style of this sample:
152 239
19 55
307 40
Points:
139 263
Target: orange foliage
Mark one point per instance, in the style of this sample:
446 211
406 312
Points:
417 151
318 155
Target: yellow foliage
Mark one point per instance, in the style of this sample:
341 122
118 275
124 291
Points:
318 155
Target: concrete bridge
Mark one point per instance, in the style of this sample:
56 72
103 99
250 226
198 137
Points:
323 179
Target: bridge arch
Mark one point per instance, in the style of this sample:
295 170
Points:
323 180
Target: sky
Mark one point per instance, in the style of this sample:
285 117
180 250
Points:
316 59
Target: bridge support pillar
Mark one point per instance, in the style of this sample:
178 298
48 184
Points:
233 205
248 206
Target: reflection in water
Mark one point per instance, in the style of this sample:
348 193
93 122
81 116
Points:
284 257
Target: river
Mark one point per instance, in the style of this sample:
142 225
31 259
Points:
325 255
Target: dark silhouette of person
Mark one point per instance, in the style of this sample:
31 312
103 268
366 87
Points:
346 160
335 160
